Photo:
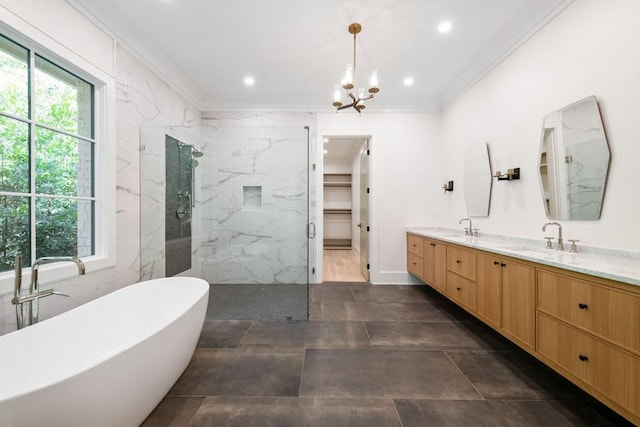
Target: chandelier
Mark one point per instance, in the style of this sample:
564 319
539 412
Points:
349 82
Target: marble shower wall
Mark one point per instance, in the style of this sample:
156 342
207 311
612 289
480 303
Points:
257 193
143 99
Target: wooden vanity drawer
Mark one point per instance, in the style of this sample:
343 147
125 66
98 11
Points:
415 265
464 291
415 246
609 313
462 261
608 369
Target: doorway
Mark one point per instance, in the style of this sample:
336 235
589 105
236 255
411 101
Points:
345 209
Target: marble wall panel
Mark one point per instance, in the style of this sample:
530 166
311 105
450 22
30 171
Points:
267 150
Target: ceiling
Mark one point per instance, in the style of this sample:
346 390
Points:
344 148
297 50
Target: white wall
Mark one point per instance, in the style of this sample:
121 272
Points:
591 48
404 175
62 25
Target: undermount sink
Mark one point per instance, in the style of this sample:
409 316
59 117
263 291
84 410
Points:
522 248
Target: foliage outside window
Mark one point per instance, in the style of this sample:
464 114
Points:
47 199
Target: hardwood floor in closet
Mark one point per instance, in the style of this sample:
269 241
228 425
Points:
341 265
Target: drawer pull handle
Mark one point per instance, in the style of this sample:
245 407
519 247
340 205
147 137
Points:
496 263
432 244
582 306
415 263
458 261
502 264
458 289
583 358
414 245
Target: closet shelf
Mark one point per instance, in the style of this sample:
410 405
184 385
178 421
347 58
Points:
337 180
337 184
337 211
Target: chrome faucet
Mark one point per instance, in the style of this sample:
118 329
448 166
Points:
560 242
467 231
29 303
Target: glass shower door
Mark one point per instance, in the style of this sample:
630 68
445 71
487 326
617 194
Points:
256 254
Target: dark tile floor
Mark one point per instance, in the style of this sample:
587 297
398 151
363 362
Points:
370 356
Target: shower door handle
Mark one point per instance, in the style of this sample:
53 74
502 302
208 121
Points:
311 235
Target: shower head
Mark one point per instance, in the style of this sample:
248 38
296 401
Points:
196 152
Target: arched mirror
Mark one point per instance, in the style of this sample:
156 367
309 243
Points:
477 180
574 161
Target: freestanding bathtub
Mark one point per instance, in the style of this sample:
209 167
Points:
106 363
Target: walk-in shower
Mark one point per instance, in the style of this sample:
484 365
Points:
248 233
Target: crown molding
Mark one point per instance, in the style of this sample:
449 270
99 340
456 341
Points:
496 53
143 50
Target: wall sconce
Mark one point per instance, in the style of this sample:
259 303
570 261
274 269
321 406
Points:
448 187
509 176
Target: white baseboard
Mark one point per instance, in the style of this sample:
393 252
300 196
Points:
393 278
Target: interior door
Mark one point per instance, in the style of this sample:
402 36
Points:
364 212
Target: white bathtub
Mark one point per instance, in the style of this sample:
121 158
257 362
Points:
106 363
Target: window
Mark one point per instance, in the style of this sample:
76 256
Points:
47 161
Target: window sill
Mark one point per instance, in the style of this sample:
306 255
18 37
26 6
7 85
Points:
55 272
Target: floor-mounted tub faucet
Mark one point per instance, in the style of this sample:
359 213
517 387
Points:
467 231
29 303
560 242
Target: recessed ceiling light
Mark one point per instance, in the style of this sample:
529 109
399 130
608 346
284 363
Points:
444 26
326 140
249 81
408 81
326 151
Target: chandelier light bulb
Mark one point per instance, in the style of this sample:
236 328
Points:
348 77
374 78
337 96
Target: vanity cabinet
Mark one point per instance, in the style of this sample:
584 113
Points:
599 310
518 303
489 307
426 260
462 261
461 276
584 327
590 332
415 251
609 372
435 258
506 298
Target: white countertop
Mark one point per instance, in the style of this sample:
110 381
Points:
609 264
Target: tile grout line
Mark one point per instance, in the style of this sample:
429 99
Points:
304 359
464 375
364 325
245 334
395 407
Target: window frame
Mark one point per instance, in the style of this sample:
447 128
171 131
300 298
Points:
104 140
